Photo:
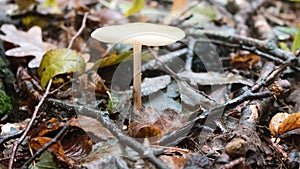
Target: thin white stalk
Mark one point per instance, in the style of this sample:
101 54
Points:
137 76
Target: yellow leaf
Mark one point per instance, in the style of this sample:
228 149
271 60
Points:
112 59
137 6
60 61
284 122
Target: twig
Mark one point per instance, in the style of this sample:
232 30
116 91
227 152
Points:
164 58
103 117
190 54
47 145
36 109
79 31
175 136
172 73
243 47
267 46
247 96
7 138
274 74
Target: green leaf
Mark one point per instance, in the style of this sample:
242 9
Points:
60 61
296 43
47 161
284 46
137 6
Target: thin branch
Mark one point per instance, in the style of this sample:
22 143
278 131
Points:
79 31
103 117
47 145
18 142
7 138
164 58
190 54
174 137
267 46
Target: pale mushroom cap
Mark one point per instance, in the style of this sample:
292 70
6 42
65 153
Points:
142 33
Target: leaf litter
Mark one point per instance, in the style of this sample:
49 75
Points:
172 101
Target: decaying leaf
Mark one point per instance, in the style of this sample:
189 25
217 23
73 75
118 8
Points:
213 78
112 154
175 158
192 97
93 128
152 85
60 61
39 142
30 43
74 145
284 122
142 130
244 60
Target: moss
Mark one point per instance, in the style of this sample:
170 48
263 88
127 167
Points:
5 103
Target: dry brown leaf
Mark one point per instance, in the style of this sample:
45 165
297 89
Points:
74 145
39 142
142 130
244 60
93 128
30 43
284 122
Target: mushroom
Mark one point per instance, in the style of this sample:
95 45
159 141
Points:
138 34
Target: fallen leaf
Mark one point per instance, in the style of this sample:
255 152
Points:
137 6
152 85
112 59
93 128
284 122
296 43
244 60
193 97
74 145
112 154
143 130
30 43
39 142
60 61
175 159
213 78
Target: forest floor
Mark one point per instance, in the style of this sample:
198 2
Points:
226 95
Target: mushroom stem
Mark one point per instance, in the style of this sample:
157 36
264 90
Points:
137 76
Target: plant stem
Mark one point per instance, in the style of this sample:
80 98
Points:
137 76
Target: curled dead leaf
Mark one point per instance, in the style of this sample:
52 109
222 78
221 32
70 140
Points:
245 60
74 145
284 122
142 130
